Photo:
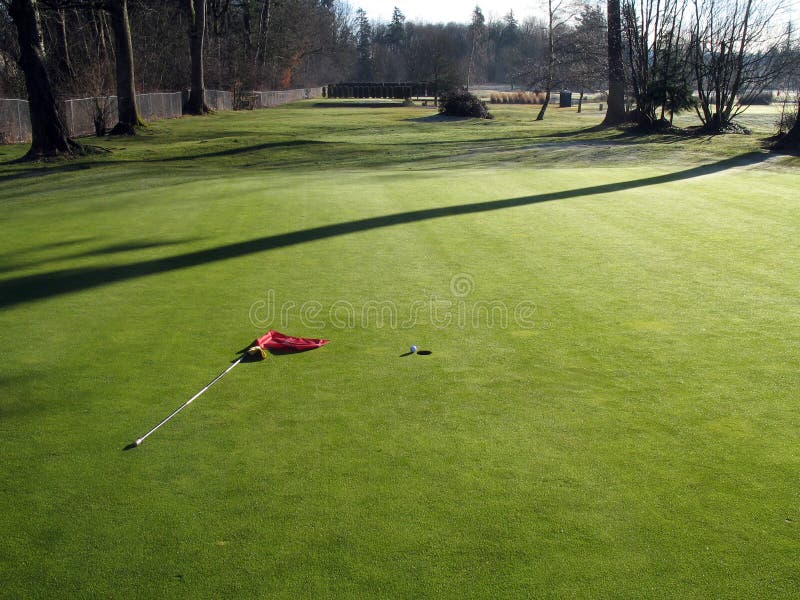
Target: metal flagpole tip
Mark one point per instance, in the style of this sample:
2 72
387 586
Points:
134 444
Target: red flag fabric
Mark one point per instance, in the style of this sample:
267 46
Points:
275 340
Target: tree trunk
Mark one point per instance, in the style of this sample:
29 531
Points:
100 28
469 64
615 114
129 117
196 105
64 61
248 37
472 57
550 62
49 135
727 109
263 34
545 104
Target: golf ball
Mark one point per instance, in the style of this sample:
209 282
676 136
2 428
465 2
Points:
413 349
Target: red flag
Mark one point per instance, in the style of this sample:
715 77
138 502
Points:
274 340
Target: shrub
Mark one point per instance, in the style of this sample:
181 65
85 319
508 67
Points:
786 121
461 103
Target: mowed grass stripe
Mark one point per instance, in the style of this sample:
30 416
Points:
637 439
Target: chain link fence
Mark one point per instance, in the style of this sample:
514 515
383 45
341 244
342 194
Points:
214 99
15 122
219 100
255 99
93 116
90 116
153 107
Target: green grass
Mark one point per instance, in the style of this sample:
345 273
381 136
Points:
635 436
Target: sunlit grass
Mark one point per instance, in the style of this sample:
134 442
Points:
631 432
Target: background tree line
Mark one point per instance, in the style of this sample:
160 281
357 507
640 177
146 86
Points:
659 56
274 44
266 44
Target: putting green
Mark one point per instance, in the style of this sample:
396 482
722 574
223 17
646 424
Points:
609 408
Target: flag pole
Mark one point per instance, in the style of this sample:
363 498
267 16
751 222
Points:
138 442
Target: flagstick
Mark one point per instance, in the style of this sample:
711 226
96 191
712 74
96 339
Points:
139 441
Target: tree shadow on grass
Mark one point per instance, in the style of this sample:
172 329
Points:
357 105
238 150
622 133
39 171
616 133
29 288
103 251
439 118
49 246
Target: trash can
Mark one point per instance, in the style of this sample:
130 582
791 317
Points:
565 99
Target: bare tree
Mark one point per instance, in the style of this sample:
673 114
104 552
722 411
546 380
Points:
586 52
61 43
196 10
615 113
263 33
127 109
556 26
477 29
733 56
12 80
435 53
128 112
653 31
49 136
249 44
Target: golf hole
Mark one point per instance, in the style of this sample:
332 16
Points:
424 352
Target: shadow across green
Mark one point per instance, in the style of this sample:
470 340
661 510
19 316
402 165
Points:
358 105
439 118
23 289
239 150
49 246
39 171
102 251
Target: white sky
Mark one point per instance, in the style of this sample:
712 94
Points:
460 11
444 11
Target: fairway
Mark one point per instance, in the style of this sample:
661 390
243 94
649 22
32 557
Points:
609 408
